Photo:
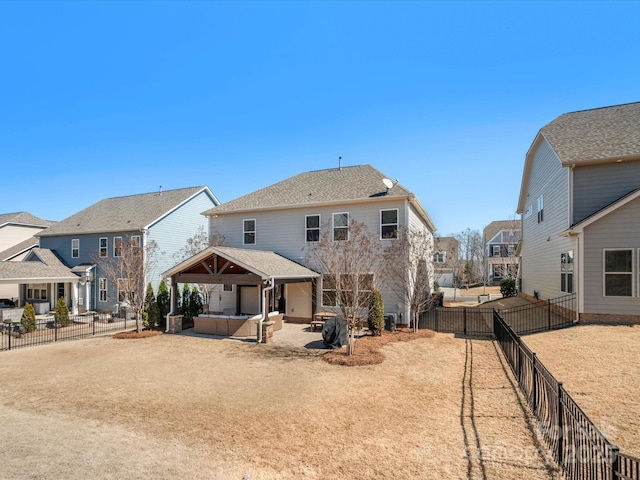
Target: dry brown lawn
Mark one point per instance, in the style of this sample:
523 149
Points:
600 367
172 406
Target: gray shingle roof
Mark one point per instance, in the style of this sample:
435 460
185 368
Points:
606 133
122 214
24 218
19 248
49 267
496 226
316 187
268 263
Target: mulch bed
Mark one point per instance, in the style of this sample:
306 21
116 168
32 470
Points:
134 334
368 349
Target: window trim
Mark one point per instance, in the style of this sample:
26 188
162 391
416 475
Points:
493 250
308 229
117 246
102 289
540 208
106 247
135 249
245 231
333 226
440 257
75 251
632 273
396 223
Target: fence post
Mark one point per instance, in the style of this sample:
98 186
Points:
435 321
464 317
9 335
549 313
55 330
561 435
615 462
534 386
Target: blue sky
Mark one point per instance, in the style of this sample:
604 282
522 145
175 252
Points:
103 99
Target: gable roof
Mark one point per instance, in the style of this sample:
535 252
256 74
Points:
124 214
18 249
264 264
23 218
322 187
600 134
45 267
497 226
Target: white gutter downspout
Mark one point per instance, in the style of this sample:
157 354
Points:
265 313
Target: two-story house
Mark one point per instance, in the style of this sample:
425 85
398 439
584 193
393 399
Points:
276 224
579 207
67 262
17 237
445 260
501 238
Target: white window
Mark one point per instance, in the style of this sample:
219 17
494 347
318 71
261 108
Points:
540 208
117 246
312 228
341 226
389 223
124 293
566 272
102 247
495 250
528 211
249 232
135 245
102 290
618 273
440 257
331 295
75 248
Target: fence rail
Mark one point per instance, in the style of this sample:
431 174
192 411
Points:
576 444
48 330
541 316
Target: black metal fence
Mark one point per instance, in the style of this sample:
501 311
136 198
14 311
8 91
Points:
540 316
13 335
576 444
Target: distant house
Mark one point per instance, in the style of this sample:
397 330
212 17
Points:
580 205
501 238
17 237
284 219
66 264
445 260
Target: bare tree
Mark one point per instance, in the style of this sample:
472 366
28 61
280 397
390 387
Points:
409 269
199 242
128 272
348 261
471 254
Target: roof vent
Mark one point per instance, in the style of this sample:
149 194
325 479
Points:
339 163
160 190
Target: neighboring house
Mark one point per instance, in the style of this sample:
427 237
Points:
445 260
501 238
67 262
580 206
284 219
17 232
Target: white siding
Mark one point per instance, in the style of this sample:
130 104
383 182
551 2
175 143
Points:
541 243
298 296
11 235
619 229
283 231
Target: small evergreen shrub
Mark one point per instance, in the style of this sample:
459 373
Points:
375 320
508 287
61 313
28 319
